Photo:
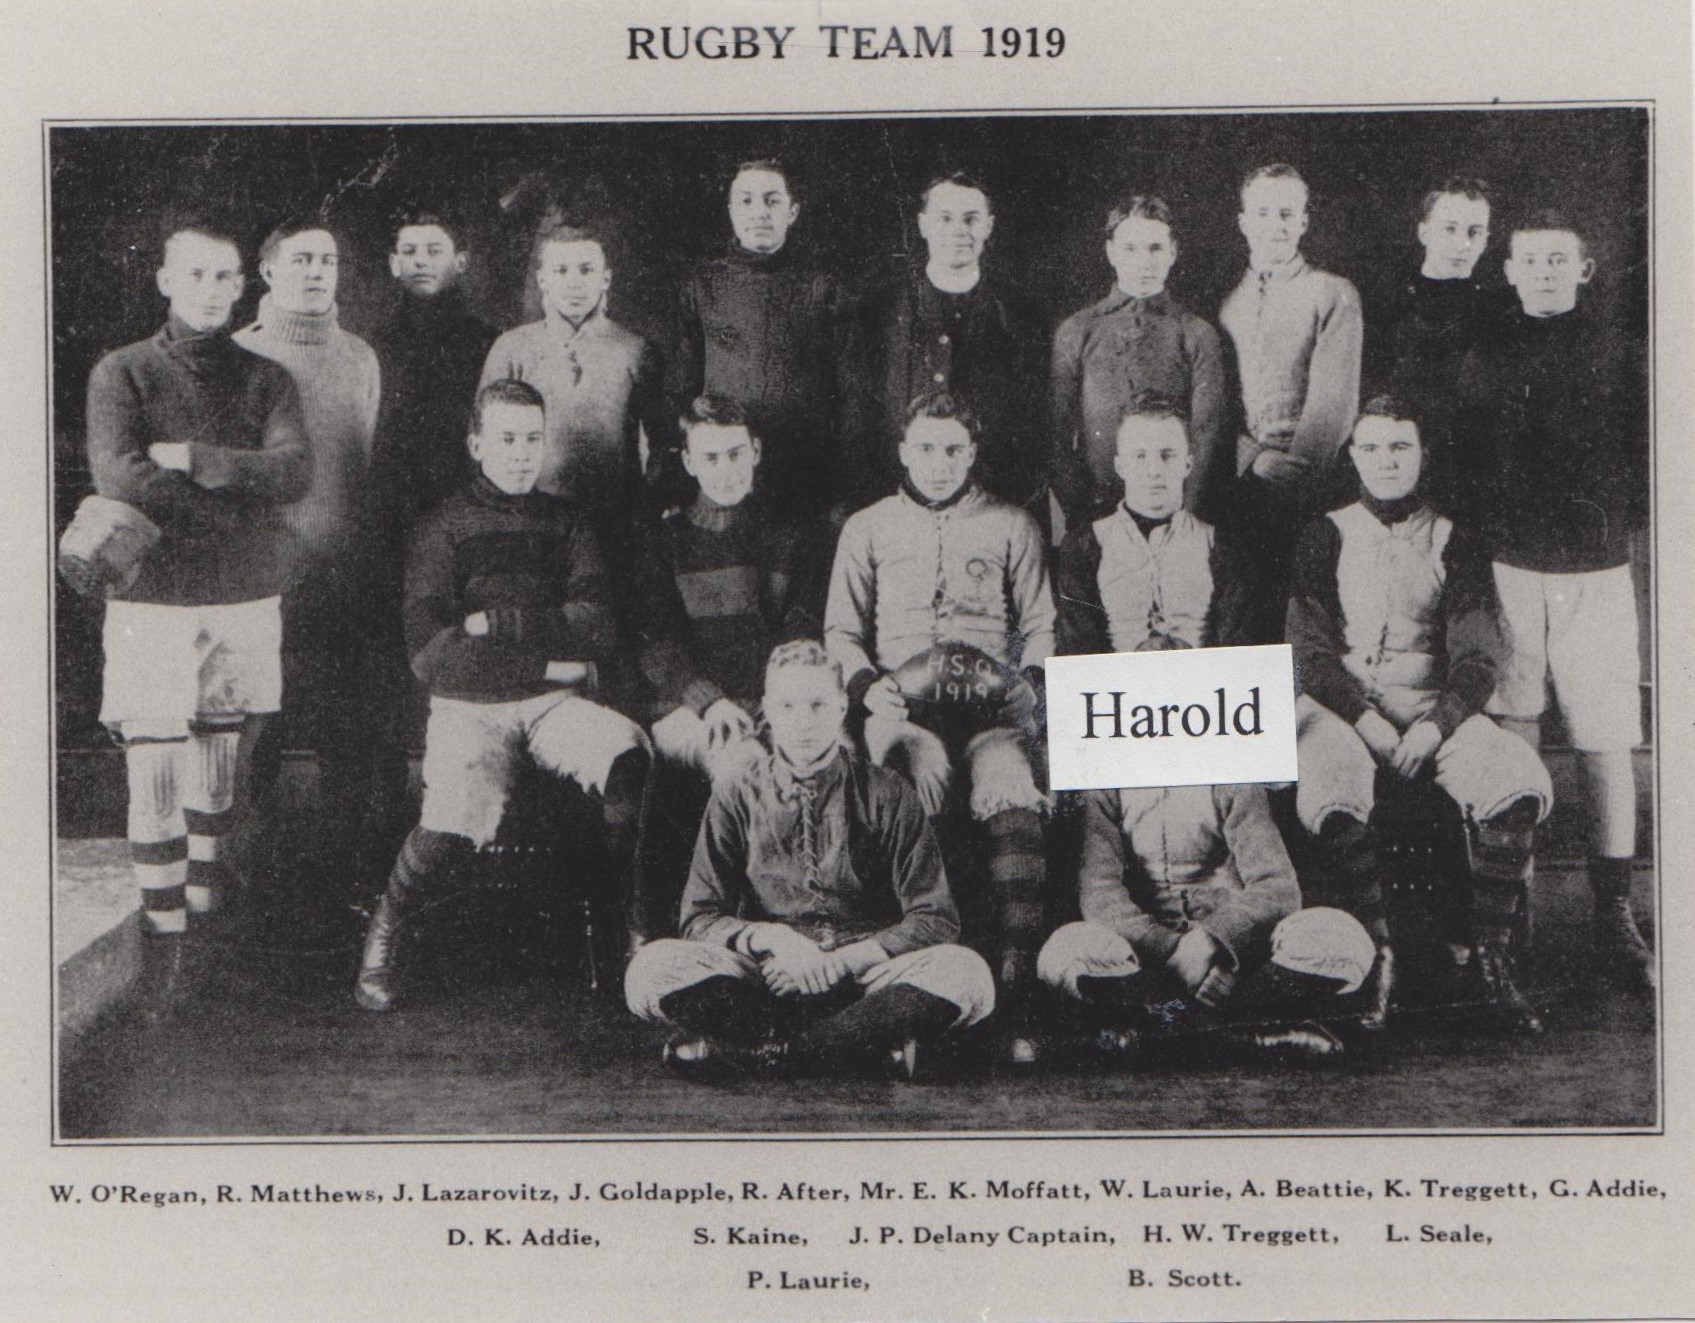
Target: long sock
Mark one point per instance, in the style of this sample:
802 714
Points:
1018 874
158 838
1609 878
881 1020
207 798
424 855
622 806
721 1006
1502 850
1353 852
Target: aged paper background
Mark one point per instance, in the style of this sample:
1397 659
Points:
428 58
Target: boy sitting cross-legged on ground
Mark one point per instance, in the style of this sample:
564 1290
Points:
817 924
509 625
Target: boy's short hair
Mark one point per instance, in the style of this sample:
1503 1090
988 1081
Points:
568 232
770 165
958 178
1141 206
185 221
1154 404
941 404
409 216
1276 170
1460 186
1550 218
713 411
293 225
505 390
1391 406
803 652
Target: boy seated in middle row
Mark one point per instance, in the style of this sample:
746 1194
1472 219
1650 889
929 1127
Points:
940 615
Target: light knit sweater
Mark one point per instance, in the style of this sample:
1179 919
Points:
336 375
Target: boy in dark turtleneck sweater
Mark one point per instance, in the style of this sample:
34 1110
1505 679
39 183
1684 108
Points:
207 441
757 326
1397 643
1554 418
1438 313
721 583
510 627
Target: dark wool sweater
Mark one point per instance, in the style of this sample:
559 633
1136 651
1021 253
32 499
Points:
225 540
431 351
760 329
529 561
719 589
986 347
1554 425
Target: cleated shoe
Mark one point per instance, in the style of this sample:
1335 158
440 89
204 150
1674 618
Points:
719 1061
1622 955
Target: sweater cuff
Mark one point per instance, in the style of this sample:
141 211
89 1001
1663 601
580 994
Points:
1037 678
1447 716
700 694
862 680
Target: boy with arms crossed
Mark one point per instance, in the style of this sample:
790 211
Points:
817 925
206 440
510 627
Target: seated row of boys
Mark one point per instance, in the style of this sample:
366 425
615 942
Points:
816 872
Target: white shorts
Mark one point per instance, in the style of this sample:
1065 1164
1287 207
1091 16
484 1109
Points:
167 665
1581 629
471 753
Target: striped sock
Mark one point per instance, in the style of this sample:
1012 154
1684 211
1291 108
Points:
1018 875
158 842
208 795
1501 852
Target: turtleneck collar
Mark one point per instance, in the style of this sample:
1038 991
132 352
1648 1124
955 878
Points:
919 498
1390 513
707 514
296 328
180 335
760 261
486 492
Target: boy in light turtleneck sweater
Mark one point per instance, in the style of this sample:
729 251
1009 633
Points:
1395 627
326 644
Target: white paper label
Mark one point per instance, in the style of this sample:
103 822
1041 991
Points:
1194 716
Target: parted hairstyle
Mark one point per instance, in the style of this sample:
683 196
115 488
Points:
715 411
297 224
941 404
803 652
1461 186
1154 404
450 225
769 164
1141 206
1276 170
1550 218
567 232
505 390
194 222
1389 405
958 178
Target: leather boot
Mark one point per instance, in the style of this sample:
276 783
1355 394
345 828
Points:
1622 955
375 989
1381 1003
720 1061
1306 1044
1511 1008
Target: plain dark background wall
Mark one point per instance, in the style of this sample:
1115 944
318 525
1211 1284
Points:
657 188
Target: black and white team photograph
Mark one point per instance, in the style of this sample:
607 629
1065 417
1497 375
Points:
551 623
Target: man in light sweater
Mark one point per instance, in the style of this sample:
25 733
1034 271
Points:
1297 335
327 644
205 439
939 612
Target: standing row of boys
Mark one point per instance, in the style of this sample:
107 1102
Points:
253 490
